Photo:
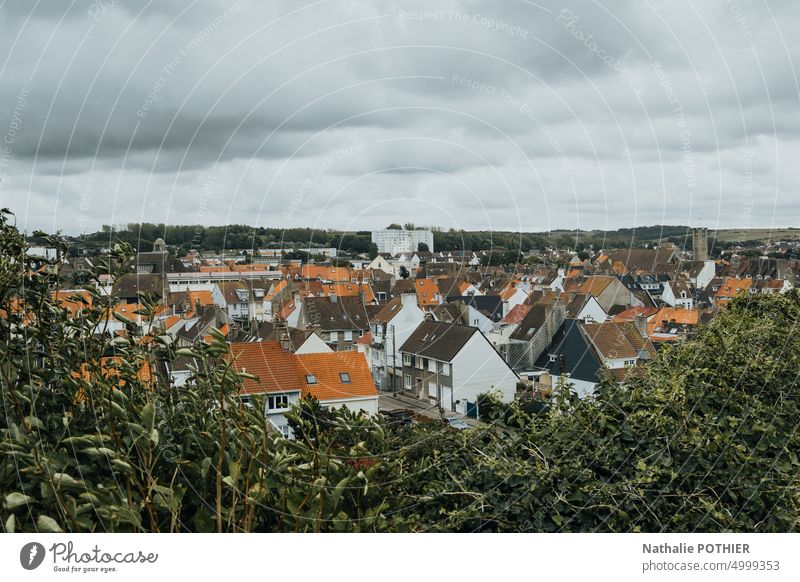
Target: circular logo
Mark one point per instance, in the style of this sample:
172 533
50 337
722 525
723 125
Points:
31 555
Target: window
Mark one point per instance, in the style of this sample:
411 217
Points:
334 335
420 363
286 431
630 362
344 377
433 390
445 369
407 382
406 360
311 379
278 402
348 336
553 358
431 365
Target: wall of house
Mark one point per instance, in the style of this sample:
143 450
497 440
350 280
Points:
313 345
582 388
593 311
368 405
478 368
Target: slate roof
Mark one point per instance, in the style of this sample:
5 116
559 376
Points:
438 340
533 320
489 305
345 313
573 354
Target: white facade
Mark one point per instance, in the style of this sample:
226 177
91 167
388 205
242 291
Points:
401 241
478 368
592 312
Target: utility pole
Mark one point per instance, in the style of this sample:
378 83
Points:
394 362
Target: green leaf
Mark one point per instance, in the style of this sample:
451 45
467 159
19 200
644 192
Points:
16 499
47 524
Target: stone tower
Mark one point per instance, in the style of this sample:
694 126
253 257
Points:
700 244
159 246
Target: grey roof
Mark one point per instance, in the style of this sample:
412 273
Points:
345 313
533 320
438 340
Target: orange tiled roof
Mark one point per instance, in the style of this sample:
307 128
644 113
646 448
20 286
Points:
427 292
674 316
109 367
631 313
732 287
211 269
202 297
275 368
595 285
276 288
323 273
517 314
327 368
72 301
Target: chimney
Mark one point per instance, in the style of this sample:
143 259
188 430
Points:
641 324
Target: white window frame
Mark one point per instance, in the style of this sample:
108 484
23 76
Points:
273 401
445 371
435 392
334 335
432 366
348 336
420 365
407 383
407 360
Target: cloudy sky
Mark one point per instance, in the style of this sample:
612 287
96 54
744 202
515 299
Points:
473 114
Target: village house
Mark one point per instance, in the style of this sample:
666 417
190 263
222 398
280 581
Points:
389 329
283 378
449 365
340 321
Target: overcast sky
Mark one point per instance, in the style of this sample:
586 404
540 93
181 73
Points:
473 114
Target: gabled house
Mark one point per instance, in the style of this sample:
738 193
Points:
533 334
620 344
609 292
679 293
334 379
340 321
389 329
482 311
450 365
428 294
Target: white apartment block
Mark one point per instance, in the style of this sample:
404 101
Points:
401 241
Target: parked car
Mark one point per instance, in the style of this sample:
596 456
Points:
456 422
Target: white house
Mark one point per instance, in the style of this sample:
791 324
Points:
450 365
389 329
